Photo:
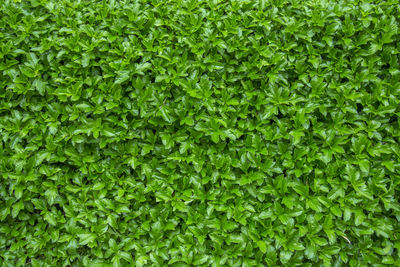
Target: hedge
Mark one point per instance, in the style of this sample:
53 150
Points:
199 133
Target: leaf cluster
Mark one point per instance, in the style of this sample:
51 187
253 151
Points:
199 133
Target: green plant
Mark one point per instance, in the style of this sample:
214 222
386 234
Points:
199 133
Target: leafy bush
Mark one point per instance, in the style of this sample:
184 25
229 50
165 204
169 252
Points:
199 133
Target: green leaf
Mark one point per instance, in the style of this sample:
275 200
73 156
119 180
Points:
87 238
27 71
166 114
122 76
262 245
50 218
16 208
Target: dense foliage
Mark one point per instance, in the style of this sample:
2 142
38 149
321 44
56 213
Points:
199 133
